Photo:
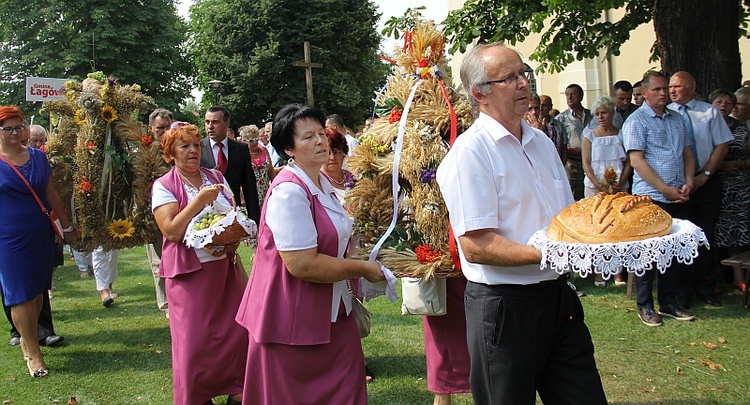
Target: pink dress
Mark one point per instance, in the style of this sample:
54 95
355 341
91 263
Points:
445 345
296 355
208 347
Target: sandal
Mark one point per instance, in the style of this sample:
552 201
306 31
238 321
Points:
600 284
40 373
369 375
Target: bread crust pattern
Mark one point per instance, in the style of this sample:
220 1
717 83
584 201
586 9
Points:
610 218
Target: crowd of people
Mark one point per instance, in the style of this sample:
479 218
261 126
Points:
657 138
291 322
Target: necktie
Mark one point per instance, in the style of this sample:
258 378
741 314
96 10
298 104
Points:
221 158
689 126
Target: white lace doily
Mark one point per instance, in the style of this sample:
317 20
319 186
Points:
199 239
608 259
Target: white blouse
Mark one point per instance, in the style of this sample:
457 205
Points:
289 218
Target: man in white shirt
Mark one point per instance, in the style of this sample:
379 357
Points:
502 181
711 136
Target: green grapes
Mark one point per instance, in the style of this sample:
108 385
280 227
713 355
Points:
207 221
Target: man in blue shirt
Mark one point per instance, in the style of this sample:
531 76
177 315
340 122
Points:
659 148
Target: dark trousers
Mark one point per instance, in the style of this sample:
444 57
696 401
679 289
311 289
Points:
525 339
44 324
705 205
574 167
669 280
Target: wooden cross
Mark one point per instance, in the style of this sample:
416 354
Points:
94 45
308 65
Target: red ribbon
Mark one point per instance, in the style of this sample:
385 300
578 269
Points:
454 134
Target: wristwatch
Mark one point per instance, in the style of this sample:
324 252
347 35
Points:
69 229
707 173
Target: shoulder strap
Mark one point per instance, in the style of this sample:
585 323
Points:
26 182
219 179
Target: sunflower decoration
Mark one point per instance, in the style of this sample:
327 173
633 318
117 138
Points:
108 114
94 152
121 228
418 246
80 116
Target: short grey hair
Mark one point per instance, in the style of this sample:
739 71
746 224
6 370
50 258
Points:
38 129
603 101
535 97
162 113
473 72
743 92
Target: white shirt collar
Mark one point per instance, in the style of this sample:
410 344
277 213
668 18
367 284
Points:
224 142
498 131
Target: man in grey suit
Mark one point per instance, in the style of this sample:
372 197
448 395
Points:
232 158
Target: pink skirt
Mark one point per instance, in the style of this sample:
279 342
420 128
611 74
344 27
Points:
332 373
445 346
208 347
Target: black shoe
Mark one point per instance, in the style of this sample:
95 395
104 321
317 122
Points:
51 340
649 317
676 312
711 300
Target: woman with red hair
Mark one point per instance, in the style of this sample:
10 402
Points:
341 179
203 287
26 245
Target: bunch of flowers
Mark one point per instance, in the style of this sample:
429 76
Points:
418 246
610 179
93 151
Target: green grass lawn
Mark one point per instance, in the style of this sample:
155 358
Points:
121 355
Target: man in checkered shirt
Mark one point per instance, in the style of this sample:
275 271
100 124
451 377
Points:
658 144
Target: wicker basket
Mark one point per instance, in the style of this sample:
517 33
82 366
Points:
231 234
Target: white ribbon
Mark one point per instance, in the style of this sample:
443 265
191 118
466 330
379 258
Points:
394 177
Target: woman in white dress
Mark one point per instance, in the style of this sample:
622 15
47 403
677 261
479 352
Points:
604 159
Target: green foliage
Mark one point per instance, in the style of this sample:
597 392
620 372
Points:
396 25
136 42
402 239
251 45
574 30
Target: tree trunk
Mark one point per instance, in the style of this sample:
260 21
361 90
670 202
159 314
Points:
701 37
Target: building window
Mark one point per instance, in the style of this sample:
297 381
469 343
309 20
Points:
532 78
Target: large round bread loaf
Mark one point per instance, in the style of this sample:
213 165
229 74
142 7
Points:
605 218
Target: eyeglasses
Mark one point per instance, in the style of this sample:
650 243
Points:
9 130
511 79
251 140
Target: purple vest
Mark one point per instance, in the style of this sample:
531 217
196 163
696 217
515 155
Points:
278 307
177 258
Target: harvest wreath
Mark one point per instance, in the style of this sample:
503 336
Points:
104 161
415 100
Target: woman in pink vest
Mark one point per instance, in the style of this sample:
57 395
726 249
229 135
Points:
304 344
203 288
